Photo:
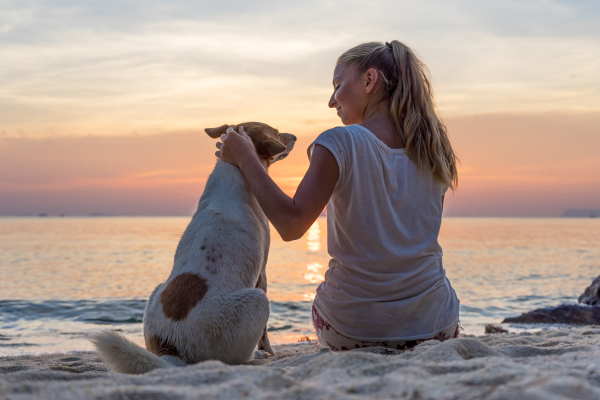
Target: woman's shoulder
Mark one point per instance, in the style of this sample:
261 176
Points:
337 140
346 138
336 130
342 134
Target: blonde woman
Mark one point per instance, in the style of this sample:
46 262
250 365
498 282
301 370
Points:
382 176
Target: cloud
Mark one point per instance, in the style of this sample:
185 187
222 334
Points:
127 175
511 165
117 68
525 164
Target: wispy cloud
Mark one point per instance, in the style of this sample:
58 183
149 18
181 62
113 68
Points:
122 67
511 165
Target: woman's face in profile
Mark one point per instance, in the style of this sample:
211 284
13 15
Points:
349 97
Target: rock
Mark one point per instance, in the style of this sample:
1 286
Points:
572 314
493 328
590 295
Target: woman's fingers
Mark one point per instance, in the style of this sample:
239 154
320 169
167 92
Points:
230 147
220 146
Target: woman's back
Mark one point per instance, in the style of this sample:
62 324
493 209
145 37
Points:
385 279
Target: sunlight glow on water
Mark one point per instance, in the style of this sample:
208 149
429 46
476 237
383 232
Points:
313 237
314 275
63 278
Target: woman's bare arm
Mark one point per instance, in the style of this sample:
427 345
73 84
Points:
292 217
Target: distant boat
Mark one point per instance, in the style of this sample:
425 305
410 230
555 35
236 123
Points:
42 215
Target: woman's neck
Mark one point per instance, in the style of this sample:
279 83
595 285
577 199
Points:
379 121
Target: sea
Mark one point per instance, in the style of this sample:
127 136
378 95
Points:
62 279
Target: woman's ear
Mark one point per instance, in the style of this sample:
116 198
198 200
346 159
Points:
371 80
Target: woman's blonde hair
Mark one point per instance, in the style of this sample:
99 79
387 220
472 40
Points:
406 82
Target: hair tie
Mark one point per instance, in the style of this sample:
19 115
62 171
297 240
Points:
388 45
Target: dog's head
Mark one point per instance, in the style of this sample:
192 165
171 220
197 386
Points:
270 145
591 295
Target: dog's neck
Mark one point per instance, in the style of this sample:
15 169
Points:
227 185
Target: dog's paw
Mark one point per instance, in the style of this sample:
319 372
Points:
261 355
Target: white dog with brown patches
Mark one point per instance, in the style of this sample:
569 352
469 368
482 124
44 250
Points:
213 306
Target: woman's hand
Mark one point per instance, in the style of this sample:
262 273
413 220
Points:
236 148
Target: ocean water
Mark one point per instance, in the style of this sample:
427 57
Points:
63 278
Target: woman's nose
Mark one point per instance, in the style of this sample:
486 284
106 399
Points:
332 101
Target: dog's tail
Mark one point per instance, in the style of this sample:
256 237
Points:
122 355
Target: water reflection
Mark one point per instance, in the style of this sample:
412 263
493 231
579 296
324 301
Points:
314 274
498 267
314 243
309 296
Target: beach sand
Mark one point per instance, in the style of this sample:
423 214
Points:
550 364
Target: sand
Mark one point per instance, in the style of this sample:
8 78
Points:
550 364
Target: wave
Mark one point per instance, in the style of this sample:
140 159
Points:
104 312
109 312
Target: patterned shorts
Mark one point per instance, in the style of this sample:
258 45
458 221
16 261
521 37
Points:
338 342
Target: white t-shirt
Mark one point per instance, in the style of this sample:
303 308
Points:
385 279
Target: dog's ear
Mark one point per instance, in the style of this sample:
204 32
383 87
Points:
269 148
216 133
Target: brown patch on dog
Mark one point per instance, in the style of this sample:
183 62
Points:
182 294
269 148
161 347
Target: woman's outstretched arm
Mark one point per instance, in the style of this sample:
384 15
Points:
292 217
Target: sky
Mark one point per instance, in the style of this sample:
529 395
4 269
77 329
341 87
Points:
103 105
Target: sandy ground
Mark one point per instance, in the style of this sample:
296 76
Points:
551 364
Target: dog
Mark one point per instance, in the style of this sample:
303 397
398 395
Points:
213 306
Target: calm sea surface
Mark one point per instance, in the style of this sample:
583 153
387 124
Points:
64 278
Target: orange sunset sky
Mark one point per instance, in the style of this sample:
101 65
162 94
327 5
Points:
103 104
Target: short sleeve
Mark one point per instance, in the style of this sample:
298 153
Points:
339 143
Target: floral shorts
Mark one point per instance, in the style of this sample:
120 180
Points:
337 342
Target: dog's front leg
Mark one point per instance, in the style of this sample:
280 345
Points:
263 342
